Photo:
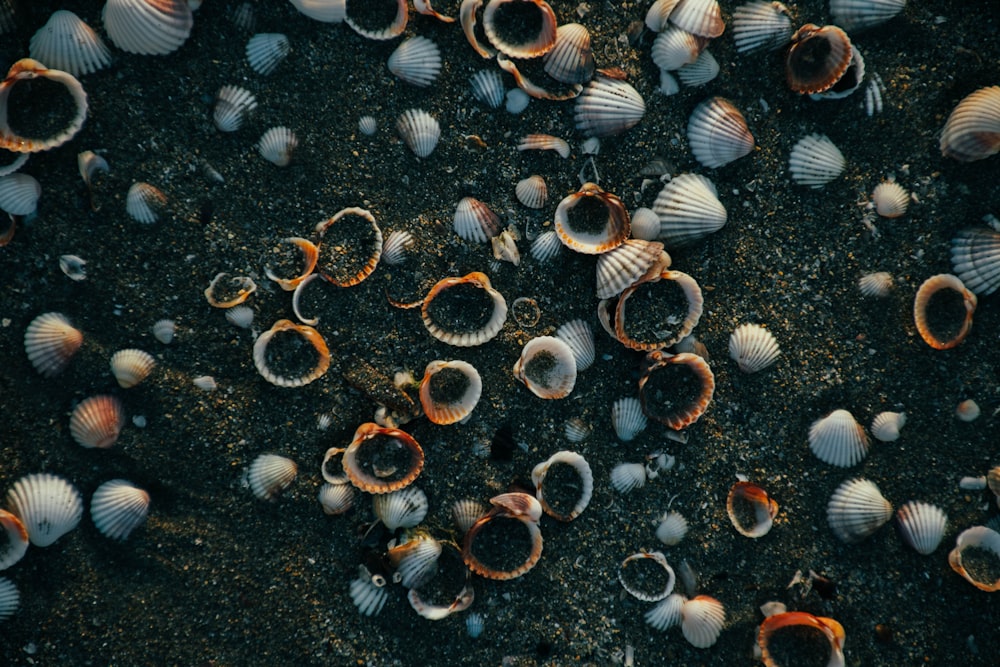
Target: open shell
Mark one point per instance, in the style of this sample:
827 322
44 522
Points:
689 209
309 256
51 341
148 27
66 43
668 308
943 297
975 255
980 538
972 131
97 421
118 507
717 133
382 460
14 543
921 525
416 61
647 576
750 509
226 291
376 19
520 28
446 308
503 542
270 474
817 59
547 366
691 386
830 629
350 246
857 510
761 25
266 50
47 505
266 360
131 366
584 483
838 439
450 391
607 107
404 508
591 221
419 130
702 620
815 161
27 69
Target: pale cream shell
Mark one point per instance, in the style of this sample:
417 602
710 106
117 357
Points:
877 284
576 429
414 559
761 25
131 366
470 338
673 48
571 59
717 133
454 410
854 15
658 14
544 142
672 529
547 366
419 130
815 161
627 418
474 221
645 224
50 341
367 125
580 338
466 513
532 192
325 11
977 537
270 474
336 498
118 507
702 620
499 12
666 614
891 199
857 510
627 477
417 61
703 70
148 27
921 525
66 43
277 145
233 106
487 87
975 255
396 246
638 560
972 131
266 50
624 266
144 202
886 425
699 17
838 439
689 210
404 508
47 505
97 421
608 107
164 331
19 194
582 468
753 348
546 247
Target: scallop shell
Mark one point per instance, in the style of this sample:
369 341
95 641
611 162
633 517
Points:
520 28
19 194
240 316
717 133
66 43
877 284
578 335
487 87
674 413
326 11
576 429
627 264
830 629
856 510
704 69
26 70
148 27
658 14
367 125
419 130
466 513
980 538
972 131
922 525
233 106
118 507
608 107
886 425
571 59
10 598
226 291
277 145
266 50
642 586
815 161
144 202
626 477
975 254
51 341
544 142
751 510
753 348
591 221
416 61
586 484
414 558
368 592
401 509
673 48
943 340
627 418
817 59
702 620
761 25
270 474
395 247
532 192
387 28
350 247
474 625
854 15
336 498
450 391
467 333
666 614
547 367
474 221
660 300
130 367
671 530
546 247
47 505
381 460
97 421
891 199
699 17
163 331
14 540
261 357
838 439
689 210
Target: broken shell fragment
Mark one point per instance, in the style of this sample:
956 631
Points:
270 474
838 439
520 28
832 631
886 425
857 510
495 545
47 505
750 509
675 389
854 15
66 43
97 421
131 366
547 367
569 488
544 142
717 133
877 284
381 460
647 576
350 246
753 348
922 525
983 545
226 291
607 107
291 355
419 130
51 341
378 21
465 311
942 311
118 507
815 161
591 221
972 131
27 69
450 391
144 202
404 508
817 59
148 27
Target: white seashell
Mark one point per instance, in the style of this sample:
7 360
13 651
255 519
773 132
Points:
505 246
395 248
401 509
972 131
47 505
97 421
74 267
144 202
699 17
689 210
367 125
544 142
416 61
717 133
608 107
66 43
474 221
419 130
336 498
546 246
532 192
753 348
891 199
578 335
986 542
266 50
130 367
922 525
666 614
466 512
624 266
13 540
815 161
586 484
975 254
672 528
658 14
856 510
232 107
838 439
270 474
240 316
645 224
973 483
277 145
148 27
10 598
626 477
886 425
366 593
418 562
627 418
487 87
702 619
761 25
571 59
576 429
641 575
669 85
163 331
877 284
51 341
673 48
704 69
326 11
854 15
118 507
517 101
474 625
205 383
19 194
967 411
547 366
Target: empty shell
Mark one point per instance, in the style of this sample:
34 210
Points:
131 366
97 421
702 620
626 477
671 530
815 161
266 50
487 87
547 367
761 25
753 348
922 525
532 192
689 210
291 364
368 592
838 439
877 284
118 507
47 505
148 27
474 221
382 460
164 330
26 70
511 512
647 576
717 133
891 199
520 28
856 510
627 418
465 311
544 142
450 391
19 194
350 247
986 542
563 498
817 59
854 15
627 264
419 130
66 43
750 509
416 61
886 425
972 131
645 224
942 311
831 630
233 106
608 107
51 341
270 474
144 202
658 311
571 59
591 221
675 389
226 291
975 254
401 509
277 145
14 540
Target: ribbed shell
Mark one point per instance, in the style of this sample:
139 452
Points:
673 48
415 560
886 425
416 61
571 59
581 467
47 505
666 614
980 538
367 125
608 107
622 267
232 107
19 194
51 341
689 210
717 133
944 340
838 439
164 330
482 335
975 255
856 510
266 50
326 11
517 101
576 429
704 69
474 221
449 410
922 525
310 335
148 27
14 540
877 284
502 17
627 418
396 245
143 202
578 335
270 474
753 348
401 509
466 512
817 59
97 421
419 130
546 247
336 498
392 28
854 15
544 142
66 43
10 598
367 596
118 507
702 620
745 499
131 366
891 199
815 161
277 145
547 366
761 25
699 17
642 587
626 477
645 224
659 13
672 529
972 131
487 87
474 625
532 192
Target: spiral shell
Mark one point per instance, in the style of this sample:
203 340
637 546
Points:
51 341
47 505
266 50
131 366
118 507
404 508
856 510
547 366
66 43
922 525
148 27
753 348
815 161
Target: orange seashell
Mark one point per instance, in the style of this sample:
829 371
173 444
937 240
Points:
51 341
14 541
942 311
381 460
520 28
817 58
493 545
675 389
351 253
750 509
464 311
592 221
831 630
308 257
226 291
673 320
450 391
27 69
97 421
287 368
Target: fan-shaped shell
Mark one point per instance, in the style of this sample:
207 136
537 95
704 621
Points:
19 194
131 366
838 439
415 558
148 27
367 125
10 598
487 87
886 425
14 540
416 61
546 247
368 592
270 474
455 310
51 341
761 25
856 510
450 391
753 348
717 133
853 15
750 509
571 59
576 429
975 255
419 130
144 202
608 107
672 529
877 284
626 477
972 131
532 192
520 28
377 20
517 102
667 613
980 538
584 482
266 50
591 221
326 11
164 330
675 409
627 418
233 106
467 512
922 525
47 505
704 69
689 209
942 311
118 507
401 509
702 620
673 48
396 247
474 221
277 145
336 498
282 377
891 199
66 43
97 421
547 367
699 17
381 460
815 161
627 264
474 625
645 224
578 335
658 14
817 59
651 580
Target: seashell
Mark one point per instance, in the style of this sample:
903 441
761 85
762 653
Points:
461 601
704 69
591 221
580 485
336 498
627 264
205 383
367 125
942 311
381 460
922 525
97 421
144 202
277 145
886 425
19 194
27 69
66 43
877 284
668 84
972 131
517 102
266 50
668 307
465 311
626 477
848 82
645 224
326 11
532 192
673 48
520 28
671 530
424 7
571 59
270 474
717 133
702 620
647 576
74 267
547 367
240 316
395 247
351 246
985 541
416 61
546 247
659 13
975 254
474 221
130 367
226 291
164 330
576 429
18 161
831 630
667 613
607 107
148 27
544 142
450 391
332 467
856 510
838 439
499 520
232 107
488 88
815 161
13 544
301 257
292 367
51 341
627 418
967 411
578 335
467 512
10 598
854 15
47 505
401 509
419 130
663 375
367 591
753 348
890 199
377 22
817 59
761 25
689 210
243 17
699 17
474 625
415 558
118 507
751 510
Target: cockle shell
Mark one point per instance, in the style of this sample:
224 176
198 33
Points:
520 28
815 161
450 391
856 510
47 505
487 87
934 289
164 330
626 477
382 460
416 61
517 102
753 348
591 221
761 25
817 59
689 210
584 482
547 366
699 17
131 366
627 264
349 248
627 418
854 15
838 439
233 105
368 592
886 425
66 43
672 529
241 316
717 133
474 221
19 194
459 292
972 131
518 507
261 356
10 598
576 429
118 507
27 70
270 474
645 224
922 525
401 509
419 130
651 578
148 27
673 48
975 255
675 411
704 69
658 14
877 284
396 247
475 624
467 512
367 125
144 202
607 107
980 538
14 539
668 308
266 50
667 613
336 498
277 145
97 421
702 620
532 192
226 291
546 247
571 59
578 335
831 630
891 199
414 558
51 341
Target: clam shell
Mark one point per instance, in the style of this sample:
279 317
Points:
66 43
704 69
815 161
520 28
488 88
651 580
645 224
856 510
502 511
578 335
336 498
576 429
144 202
750 509
419 130
689 210
585 483
14 543
547 367
474 625
607 107
281 377
675 411
277 145
891 199
148 27
47 505
367 125
350 246
51 341
972 131
571 59
205 383
666 614
381 460
717 133
532 192
130 367
326 11
466 513
671 530
673 48
226 291
838 439
699 17
240 316
975 255
517 102
828 627
753 348
474 221
10 598
922 525
395 247
662 319
877 284
164 330
270 474
26 70
388 22
97 421
626 477
544 142
266 50
817 59
232 108
982 539
761 25
854 15
886 425
591 221
627 418
460 329
927 319
702 620
450 391
118 507
546 247
658 14
401 509
368 593
626 265
415 559
416 61
19 194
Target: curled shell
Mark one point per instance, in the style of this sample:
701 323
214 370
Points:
474 221
750 509
877 284
815 161
270 474
303 255
972 131
702 620
377 20
671 529
689 209
144 202
544 142
628 264
277 145
118 507
580 338
27 69
571 59
761 25
817 59
266 50
853 15
891 199
547 367
465 311
47 505
290 368
520 28
591 221
14 540
131 366
980 538
658 312
753 348
487 87
226 291
580 485
51 341
675 389
607 107
717 133
922 525
336 498
404 508
647 576
90 164
838 439
856 510
66 43
416 61
975 254
419 130
627 418
942 311
148 27
350 246
97 421
492 546
19 194
886 425
831 630
232 107
532 192
381 460
450 391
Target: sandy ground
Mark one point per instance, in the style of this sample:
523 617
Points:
217 577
